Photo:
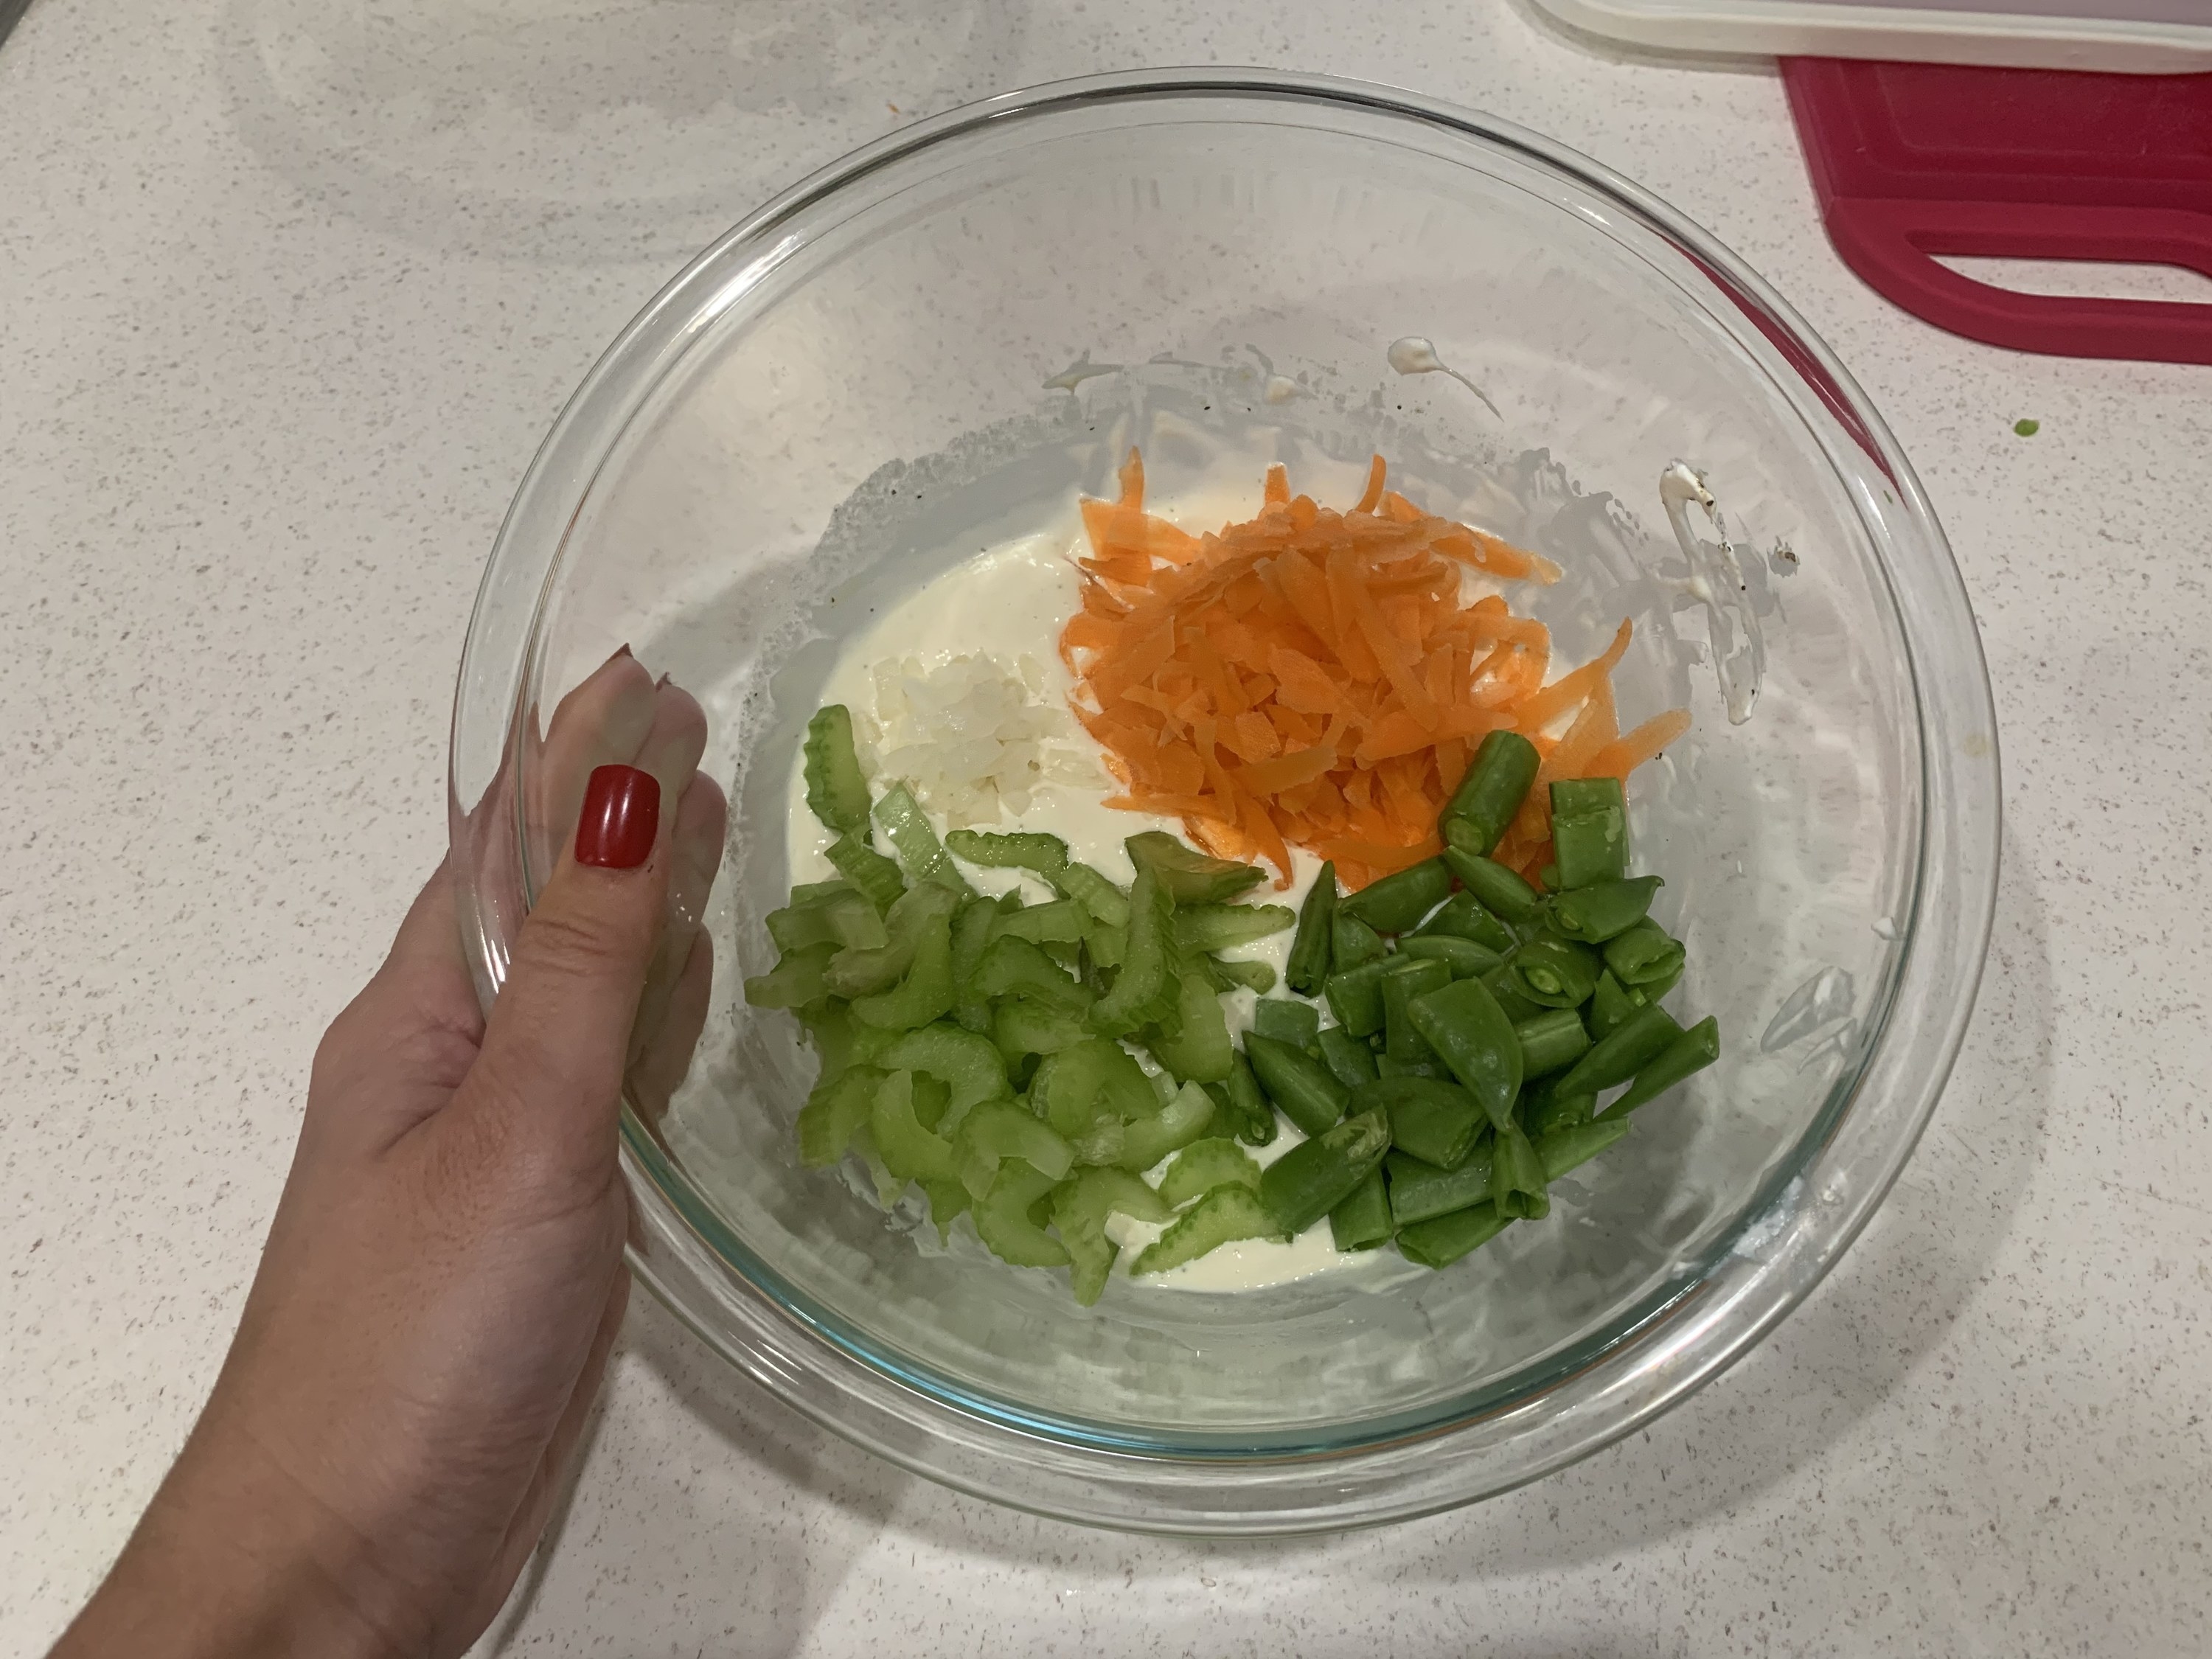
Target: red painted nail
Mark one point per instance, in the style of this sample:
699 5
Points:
622 816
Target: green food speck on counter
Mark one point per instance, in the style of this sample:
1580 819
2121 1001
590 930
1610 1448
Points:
2027 428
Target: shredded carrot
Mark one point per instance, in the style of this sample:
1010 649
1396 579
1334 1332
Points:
1315 678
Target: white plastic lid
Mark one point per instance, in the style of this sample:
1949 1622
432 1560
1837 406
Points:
2150 37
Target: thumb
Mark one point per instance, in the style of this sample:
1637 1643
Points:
547 1085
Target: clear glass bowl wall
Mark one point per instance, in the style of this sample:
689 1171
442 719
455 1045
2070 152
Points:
847 396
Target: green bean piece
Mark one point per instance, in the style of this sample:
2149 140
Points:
997 1130
1184 1119
1310 952
1565 1148
1355 997
1610 1004
835 1112
1224 927
1144 989
1517 1187
1555 973
1687 1055
1623 1052
1311 1179
798 981
868 870
1600 911
1060 922
1300 1085
1186 875
1464 1023
1491 793
1421 1192
1573 795
1643 954
1407 979
1203 1165
1396 903
1551 1040
1252 1117
1436 1122
1105 902
1651 990
1440 1242
1500 891
1353 943
1463 956
1462 916
836 793
1545 1108
1224 1216
1195 1048
1297 1023
1362 1221
1031 850
1590 831
916 843
1004 1222
857 973
1500 983
1350 1062
1386 1065
968 1065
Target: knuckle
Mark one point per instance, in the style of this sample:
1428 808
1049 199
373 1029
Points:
564 943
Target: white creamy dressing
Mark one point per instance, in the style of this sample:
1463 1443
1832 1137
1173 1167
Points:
1414 354
1010 602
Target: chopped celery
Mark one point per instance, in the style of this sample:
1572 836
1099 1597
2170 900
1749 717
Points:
855 972
1186 876
1199 1049
834 1114
836 794
868 870
1205 1164
1174 1125
917 845
997 1130
1208 928
924 993
797 981
972 1066
1014 967
1003 1221
1144 991
908 1151
1041 854
1222 1217
1079 1208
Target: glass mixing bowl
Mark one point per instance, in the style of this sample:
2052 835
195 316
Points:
937 343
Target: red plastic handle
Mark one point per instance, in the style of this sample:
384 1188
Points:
1889 242
1913 159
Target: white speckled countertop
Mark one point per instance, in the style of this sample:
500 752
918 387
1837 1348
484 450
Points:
289 291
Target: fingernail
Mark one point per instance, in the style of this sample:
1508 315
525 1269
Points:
622 651
622 816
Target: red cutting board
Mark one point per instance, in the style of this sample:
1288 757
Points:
1914 159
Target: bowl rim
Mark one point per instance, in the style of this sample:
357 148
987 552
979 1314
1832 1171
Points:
1681 1338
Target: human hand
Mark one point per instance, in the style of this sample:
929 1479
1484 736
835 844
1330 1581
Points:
444 1276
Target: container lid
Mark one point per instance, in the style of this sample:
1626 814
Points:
2143 37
